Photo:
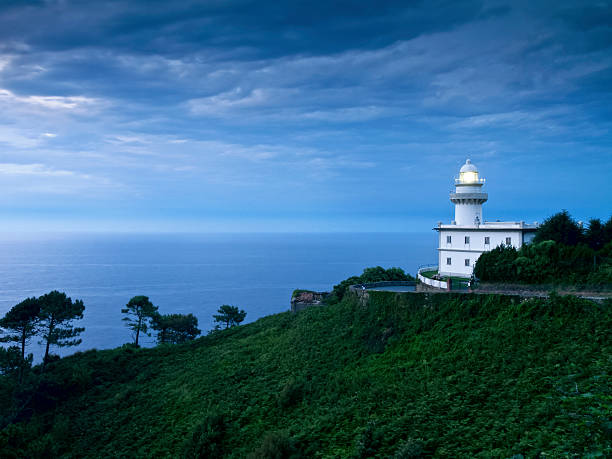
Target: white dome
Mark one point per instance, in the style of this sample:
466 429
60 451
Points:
468 167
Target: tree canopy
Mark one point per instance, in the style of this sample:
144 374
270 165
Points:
229 316
139 313
372 274
57 311
175 328
561 228
562 252
20 323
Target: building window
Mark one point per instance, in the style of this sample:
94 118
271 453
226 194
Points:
467 239
487 240
508 241
448 239
448 261
467 262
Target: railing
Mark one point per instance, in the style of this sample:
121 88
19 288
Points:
443 285
493 225
424 268
374 285
473 182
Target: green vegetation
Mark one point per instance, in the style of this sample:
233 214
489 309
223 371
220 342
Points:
562 228
22 320
298 291
230 316
139 314
57 311
457 283
376 274
175 328
50 317
562 253
403 375
430 274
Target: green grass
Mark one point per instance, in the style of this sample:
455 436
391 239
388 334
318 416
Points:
451 375
429 274
457 283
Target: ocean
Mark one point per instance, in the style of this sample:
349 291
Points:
186 273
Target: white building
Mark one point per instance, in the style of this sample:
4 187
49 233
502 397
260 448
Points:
469 235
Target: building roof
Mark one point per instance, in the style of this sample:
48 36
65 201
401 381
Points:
490 226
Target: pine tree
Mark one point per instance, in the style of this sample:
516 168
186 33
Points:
175 328
57 311
19 325
229 315
139 313
22 321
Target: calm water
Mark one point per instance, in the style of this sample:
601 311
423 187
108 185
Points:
192 273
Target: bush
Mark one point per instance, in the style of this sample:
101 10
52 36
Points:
543 262
206 441
276 445
376 274
410 449
498 264
291 393
368 442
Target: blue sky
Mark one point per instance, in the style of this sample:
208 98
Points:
299 116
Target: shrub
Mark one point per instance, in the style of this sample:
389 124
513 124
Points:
276 445
497 264
368 442
410 449
291 393
376 274
206 441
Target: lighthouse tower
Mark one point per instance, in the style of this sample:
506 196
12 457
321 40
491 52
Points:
468 196
468 235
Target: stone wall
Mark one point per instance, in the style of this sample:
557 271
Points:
306 299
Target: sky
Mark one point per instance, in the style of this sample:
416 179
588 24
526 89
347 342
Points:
248 116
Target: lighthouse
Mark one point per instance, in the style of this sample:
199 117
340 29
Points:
468 196
466 237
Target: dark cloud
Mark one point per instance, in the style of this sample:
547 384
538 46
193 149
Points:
261 29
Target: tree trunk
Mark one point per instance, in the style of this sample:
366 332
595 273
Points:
51 324
23 341
138 329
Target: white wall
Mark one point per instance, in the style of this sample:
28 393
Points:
458 251
432 282
477 239
465 214
457 266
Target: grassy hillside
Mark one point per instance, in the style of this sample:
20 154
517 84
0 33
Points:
404 375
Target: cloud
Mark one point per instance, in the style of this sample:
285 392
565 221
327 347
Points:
36 170
4 62
237 103
69 103
229 101
20 180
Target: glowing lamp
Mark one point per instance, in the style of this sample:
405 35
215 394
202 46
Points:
468 177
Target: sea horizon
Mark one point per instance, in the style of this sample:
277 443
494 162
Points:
191 272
